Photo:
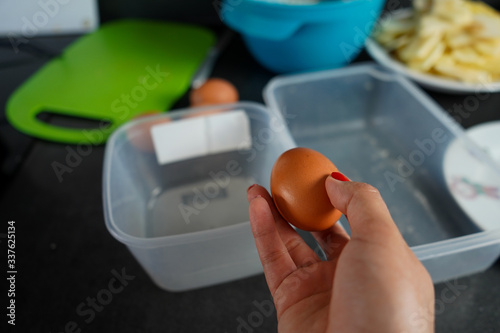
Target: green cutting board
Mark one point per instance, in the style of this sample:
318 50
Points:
119 71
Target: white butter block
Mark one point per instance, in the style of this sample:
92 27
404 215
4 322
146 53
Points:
201 136
179 140
228 131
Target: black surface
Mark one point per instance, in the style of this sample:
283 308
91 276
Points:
65 255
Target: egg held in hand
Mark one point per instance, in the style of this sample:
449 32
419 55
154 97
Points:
298 189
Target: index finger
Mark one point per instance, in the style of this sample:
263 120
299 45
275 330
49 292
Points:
276 260
300 252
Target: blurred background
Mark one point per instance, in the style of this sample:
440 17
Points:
63 239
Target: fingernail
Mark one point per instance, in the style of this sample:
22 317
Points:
340 176
253 198
248 189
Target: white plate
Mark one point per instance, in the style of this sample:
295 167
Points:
429 81
487 136
474 184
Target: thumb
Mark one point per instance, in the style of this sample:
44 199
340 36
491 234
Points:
364 208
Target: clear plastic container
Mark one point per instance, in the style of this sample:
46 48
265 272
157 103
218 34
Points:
379 128
186 221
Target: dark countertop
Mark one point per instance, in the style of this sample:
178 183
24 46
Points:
65 256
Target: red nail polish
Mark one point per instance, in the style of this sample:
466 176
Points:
340 176
248 189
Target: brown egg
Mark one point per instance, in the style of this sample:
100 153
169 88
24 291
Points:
140 135
298 189
214 91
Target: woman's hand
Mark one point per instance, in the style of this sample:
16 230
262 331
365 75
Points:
371 282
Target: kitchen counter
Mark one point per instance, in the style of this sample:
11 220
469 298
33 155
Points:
73 276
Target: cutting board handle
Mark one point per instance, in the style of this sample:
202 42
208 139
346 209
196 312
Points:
30 124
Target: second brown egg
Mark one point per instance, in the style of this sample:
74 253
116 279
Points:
214 91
